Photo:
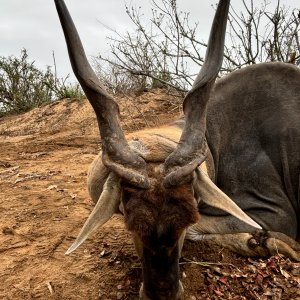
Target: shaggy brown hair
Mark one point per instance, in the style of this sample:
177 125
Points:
159 211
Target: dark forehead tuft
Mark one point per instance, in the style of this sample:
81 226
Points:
158 209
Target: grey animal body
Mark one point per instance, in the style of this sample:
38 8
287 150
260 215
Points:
253 133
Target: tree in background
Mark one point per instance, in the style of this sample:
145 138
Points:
23 86
168 52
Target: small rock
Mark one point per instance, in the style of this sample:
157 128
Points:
52 187
7 230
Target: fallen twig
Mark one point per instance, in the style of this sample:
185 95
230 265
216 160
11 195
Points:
15 246
49 286
210 265
9 172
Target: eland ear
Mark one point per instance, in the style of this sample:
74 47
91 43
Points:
106 206
213 196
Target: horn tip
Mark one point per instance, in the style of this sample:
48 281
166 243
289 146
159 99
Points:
71 249
254 224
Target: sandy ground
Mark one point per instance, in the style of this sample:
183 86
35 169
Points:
44 159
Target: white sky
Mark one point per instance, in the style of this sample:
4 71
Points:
34 25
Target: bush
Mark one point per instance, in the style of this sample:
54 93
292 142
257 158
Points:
23 86
63 89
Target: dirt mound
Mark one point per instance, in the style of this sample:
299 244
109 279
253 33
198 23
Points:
69 116
44 157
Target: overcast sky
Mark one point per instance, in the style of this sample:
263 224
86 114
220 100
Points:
34 25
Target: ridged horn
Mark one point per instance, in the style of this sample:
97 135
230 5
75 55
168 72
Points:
192 147
117 155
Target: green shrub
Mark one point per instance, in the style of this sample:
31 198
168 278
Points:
63 89
23 86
